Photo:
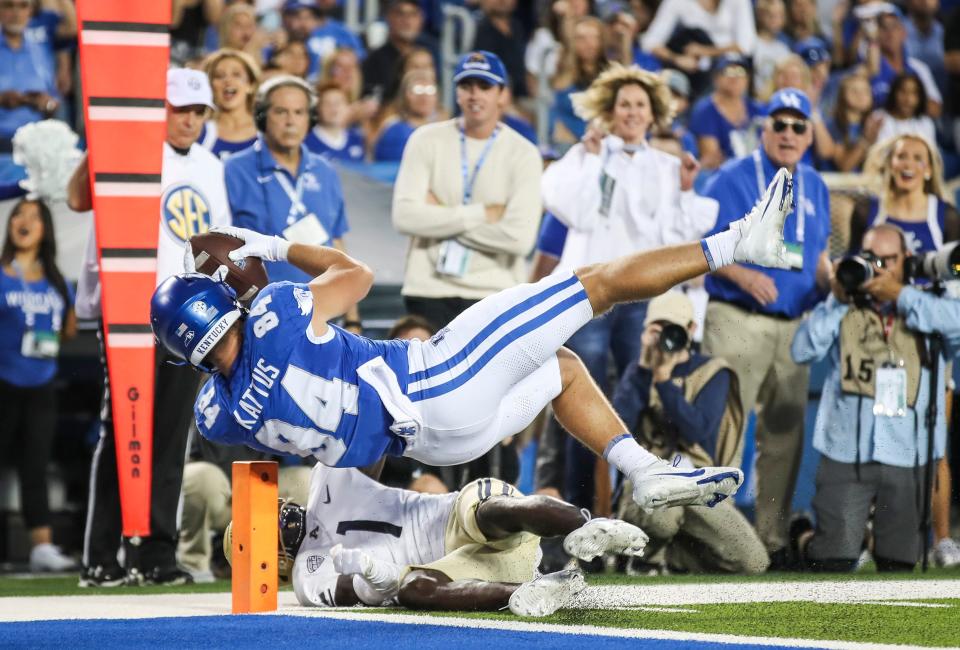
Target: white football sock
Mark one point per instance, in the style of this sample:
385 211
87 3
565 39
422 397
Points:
626 455
719 248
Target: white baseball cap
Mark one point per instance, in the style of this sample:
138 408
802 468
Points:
187 87
671 307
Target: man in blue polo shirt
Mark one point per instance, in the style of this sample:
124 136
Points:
753 312
28 90
278 187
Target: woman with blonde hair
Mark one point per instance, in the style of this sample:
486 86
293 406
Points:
908 191
907 173
234 76
618 195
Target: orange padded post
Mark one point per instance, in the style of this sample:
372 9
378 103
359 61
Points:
255 537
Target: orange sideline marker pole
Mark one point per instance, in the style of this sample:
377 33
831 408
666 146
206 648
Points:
255 537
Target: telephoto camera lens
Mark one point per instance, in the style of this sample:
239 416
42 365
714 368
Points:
672 338
936 265
853 271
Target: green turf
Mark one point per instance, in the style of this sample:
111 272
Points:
865 623
67 586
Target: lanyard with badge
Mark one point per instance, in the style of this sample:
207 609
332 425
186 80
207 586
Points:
607 183
794 254
454 256
36 343
890 389
305 230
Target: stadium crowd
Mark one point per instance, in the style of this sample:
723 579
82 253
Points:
605 127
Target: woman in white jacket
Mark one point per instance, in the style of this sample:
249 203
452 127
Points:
617 195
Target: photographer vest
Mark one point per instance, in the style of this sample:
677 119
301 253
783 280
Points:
865 346
658 435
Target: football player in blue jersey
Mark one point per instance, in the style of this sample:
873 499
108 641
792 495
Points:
288 381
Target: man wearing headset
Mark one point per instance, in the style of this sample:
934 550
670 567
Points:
278 187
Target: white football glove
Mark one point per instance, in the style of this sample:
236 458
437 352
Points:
269 248
375 581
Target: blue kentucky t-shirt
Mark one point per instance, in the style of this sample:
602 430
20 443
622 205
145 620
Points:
17 297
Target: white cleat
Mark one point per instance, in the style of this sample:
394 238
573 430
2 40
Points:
664 486
546 594
47 557
600 535
761 230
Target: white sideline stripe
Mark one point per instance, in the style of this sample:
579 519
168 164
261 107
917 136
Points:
127 114
128 264
591 630
139 39
127 607
129 340
126 189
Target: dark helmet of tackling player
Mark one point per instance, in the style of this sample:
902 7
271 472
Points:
292 525
190 313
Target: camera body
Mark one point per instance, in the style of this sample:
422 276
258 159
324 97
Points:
673 338
934 266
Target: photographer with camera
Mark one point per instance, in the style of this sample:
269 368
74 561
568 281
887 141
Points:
686 404
871 427
911 195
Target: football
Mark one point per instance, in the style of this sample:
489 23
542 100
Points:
247 277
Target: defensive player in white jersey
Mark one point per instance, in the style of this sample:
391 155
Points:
477 549
286 380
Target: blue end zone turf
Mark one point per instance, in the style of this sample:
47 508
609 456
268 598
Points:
257 631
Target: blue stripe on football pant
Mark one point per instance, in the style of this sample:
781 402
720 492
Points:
507 339
495 324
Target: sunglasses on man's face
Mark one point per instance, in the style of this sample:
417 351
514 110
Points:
780 124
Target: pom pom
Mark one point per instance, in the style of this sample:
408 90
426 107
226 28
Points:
48 150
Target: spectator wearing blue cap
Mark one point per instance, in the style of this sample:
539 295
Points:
753 312
887 57
468 196
724 121
817 58
793 72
